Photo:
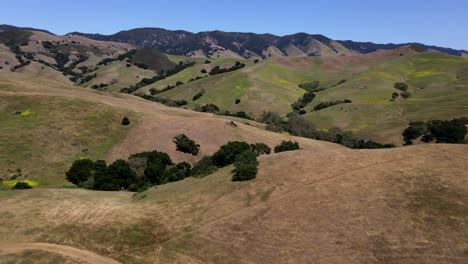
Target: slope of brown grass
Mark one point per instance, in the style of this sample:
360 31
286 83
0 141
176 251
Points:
370 206
403 205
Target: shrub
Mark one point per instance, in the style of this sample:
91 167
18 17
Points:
228 152
237 101
198 95
203 71
256 60
453 131
443 131
80 171
244 172
274 121
245 166
177 172
240 114
309 86
125 121
401 86
323 105
260 148
203 167
119 176
210 108
155 172
186 145
394 96
405 94
414 131
22 185
298 126
303 101
286 146
207 62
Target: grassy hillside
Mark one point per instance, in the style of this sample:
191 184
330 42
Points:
117 75
437 83
46 125
191 72
42 134
403 205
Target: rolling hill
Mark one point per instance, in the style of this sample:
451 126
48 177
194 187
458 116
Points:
63 99
437 85
64 123
436 81
403 205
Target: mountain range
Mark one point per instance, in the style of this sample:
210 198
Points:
236 44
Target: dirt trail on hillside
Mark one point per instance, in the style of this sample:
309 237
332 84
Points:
82 255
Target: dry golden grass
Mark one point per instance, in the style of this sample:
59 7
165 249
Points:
38 70
403 205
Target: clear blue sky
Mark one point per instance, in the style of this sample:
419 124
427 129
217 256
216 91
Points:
442 23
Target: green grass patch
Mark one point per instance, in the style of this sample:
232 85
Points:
61 130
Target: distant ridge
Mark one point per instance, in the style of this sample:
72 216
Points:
10 27
242 45
220 44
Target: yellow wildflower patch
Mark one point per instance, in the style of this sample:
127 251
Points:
26 112
12 183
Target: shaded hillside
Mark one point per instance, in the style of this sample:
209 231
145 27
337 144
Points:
79 60
247 45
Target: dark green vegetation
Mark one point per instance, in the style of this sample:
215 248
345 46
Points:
302 102
204 167
286 146
401 86
299 126
245 166
260 149
312 86
243 155
227 153
145 169
186 145
323 105
212 108
240 153
218 70
14 38
440 131
125 121
22 185
168 102
139 172
198 95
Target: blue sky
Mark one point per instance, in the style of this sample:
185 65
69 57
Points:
442 23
